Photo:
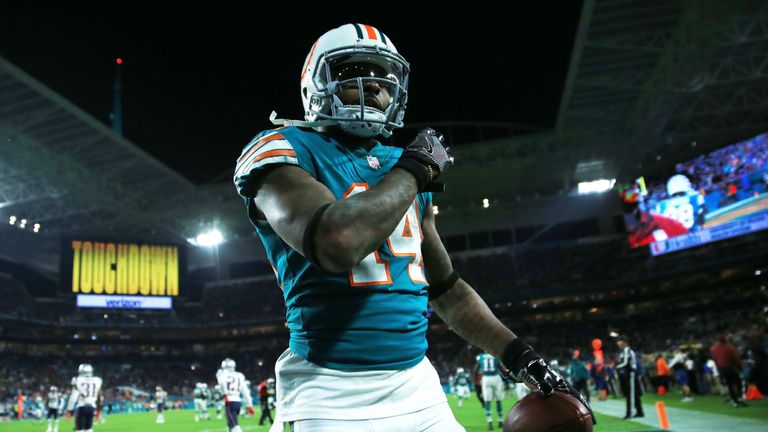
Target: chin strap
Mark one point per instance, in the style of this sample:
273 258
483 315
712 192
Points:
299 123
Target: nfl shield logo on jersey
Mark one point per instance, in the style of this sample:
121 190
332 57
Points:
373 162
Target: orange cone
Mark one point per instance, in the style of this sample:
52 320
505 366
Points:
661 410
753 393
661 390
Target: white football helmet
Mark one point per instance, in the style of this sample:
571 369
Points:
679 183
459 370
85 370
352 55
228 365
54 389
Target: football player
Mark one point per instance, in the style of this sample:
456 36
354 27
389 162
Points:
218 397
161 397
684 204
348 224
267 400
236 392
53 403
84 396
39 406
201 402
493 386
461 383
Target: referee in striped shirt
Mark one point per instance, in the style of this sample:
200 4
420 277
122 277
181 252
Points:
630 382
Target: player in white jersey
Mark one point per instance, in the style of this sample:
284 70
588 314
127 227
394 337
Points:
236 392
461 384
53 403
201 402
161 397
84 396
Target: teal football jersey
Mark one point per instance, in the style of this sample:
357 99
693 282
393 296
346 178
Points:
488 364
375 315
684 209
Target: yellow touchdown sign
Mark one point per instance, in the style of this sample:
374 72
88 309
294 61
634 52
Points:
124 268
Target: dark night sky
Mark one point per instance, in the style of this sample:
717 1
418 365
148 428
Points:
201 80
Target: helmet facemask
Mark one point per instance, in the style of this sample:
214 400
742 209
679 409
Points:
355 67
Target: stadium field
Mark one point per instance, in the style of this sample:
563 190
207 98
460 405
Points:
707 413
471 416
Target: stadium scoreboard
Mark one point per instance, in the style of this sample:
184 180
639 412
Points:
108 274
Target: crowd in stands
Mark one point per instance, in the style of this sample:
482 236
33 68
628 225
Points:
663 333
573 271
727 175
517 282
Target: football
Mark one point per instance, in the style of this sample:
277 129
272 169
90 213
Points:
557 413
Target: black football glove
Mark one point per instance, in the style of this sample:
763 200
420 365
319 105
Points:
426 158
527 367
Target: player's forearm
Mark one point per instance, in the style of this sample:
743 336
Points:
468 315
352 228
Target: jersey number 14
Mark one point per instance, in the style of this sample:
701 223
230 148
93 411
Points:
405 241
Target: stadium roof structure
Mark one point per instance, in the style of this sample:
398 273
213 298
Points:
65 170
649 84
651 78
646 80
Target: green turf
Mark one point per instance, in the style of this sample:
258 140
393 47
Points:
471 416
757 409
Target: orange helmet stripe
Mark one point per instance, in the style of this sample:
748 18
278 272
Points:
371 32
309 61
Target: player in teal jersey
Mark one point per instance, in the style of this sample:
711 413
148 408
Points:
348 225
684 204
492 385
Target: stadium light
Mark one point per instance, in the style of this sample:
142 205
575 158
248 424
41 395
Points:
758 272
435 210
208 239
36 227
12 220
23 223
486 203
613 334
596 186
